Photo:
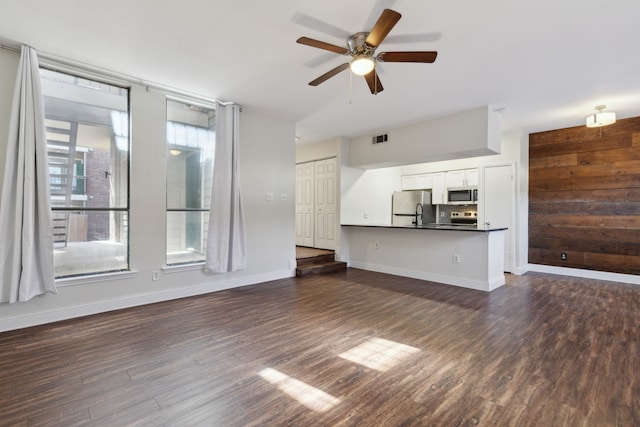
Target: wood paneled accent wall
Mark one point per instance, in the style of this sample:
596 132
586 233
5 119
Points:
584 197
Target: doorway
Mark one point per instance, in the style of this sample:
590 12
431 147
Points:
316 204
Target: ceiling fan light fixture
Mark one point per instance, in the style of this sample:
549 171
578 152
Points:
362 47
362 64
601 118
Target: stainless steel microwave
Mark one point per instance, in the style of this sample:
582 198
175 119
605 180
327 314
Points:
462 195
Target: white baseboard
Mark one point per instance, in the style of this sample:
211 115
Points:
519 271
70 312
587 274
479 285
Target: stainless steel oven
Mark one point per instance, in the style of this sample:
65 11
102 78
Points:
464 218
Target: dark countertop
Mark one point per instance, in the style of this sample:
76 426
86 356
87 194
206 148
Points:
446 227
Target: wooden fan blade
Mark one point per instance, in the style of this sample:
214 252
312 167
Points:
329 74
407 56
322 45
375 86
386 22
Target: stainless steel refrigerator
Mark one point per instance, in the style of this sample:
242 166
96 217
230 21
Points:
412 208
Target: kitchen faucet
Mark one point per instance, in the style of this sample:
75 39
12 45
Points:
419 205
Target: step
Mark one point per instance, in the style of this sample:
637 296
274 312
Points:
318 259
321 268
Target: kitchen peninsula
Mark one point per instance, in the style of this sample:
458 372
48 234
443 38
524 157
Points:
461 153
464 256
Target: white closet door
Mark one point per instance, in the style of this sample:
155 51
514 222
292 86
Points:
299 202
304 204
325 204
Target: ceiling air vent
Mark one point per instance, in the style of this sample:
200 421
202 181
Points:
379 139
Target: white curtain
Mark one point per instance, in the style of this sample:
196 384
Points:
26 245
226 242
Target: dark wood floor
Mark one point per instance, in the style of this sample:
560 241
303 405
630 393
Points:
348 349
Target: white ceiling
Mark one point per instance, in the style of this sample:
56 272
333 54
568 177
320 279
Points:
548 63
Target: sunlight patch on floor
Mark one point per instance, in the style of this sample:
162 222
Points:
379 354
309 396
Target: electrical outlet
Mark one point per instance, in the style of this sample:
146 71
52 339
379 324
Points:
376 245
563 256
155 275
456 258
366 214
268 196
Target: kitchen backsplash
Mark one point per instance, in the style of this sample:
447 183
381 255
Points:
447 209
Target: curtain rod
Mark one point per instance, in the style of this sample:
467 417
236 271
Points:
56 61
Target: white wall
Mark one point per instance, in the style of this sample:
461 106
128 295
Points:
267 164
366 195
511 147
470 133
318 151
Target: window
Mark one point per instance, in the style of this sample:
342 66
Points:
190 153
88 148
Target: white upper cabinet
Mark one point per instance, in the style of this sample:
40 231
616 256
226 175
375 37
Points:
455 178
472 176
417 182
425 181
438 182
409 182
439 189
462 178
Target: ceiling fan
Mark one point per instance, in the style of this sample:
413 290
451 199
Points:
362 47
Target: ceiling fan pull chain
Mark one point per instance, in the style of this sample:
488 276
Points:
350 87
